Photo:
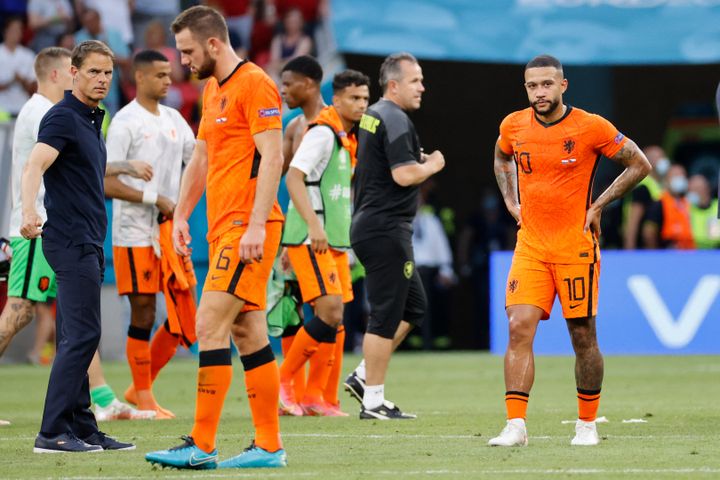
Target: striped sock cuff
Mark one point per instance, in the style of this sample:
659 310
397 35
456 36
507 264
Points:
588 395
514 395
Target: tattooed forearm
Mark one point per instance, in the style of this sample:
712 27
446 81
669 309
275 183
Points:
119 168
506 176
17 313
637 167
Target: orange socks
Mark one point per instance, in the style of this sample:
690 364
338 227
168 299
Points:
213 383
516 404
298 380
137 349
262 382
588 403
162 349
320 367
330 393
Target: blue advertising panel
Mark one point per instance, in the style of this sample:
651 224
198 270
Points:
651 302
580 32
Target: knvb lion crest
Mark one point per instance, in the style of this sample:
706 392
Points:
408 269
223 103
512 285
569 145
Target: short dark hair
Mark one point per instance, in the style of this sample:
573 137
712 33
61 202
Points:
544 61
305 65
9 21
390 68
83 49
203 22
47 58
147 57
348 78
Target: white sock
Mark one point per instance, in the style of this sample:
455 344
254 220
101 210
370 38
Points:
360 370
374 396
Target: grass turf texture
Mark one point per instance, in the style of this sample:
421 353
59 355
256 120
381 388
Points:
458 398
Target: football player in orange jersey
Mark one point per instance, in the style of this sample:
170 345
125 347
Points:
237 161
545 163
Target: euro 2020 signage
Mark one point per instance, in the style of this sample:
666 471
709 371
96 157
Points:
651 302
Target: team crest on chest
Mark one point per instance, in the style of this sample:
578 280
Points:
569 145
223 102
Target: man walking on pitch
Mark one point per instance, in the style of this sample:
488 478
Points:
317 235
71 154
238 157
146 130
390 167
546 157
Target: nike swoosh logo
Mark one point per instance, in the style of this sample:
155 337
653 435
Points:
216 277
575 306
194 461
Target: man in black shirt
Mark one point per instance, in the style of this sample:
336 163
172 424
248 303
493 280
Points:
70 155
390 167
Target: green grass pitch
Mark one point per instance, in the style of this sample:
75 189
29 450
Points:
458 398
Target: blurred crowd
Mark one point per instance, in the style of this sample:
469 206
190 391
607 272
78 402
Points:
268 32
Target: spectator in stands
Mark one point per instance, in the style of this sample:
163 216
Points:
668 220
239 18
66 40
636 205
147 12
17 78
263 31
48 19
291 43
93 30
155 38
312 11
703 213
115 15
434 262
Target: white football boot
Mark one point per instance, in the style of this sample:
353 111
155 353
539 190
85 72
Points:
513 435
585 434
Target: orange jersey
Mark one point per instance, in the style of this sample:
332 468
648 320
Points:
556 166
245 103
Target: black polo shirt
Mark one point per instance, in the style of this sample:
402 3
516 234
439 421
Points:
386 140
74 192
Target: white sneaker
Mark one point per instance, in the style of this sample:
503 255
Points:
585 434
121 411
513 435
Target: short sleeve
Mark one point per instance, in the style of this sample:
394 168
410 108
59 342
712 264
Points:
119 140
188 138
608 140
57 129
316 147
504 141
263 106
400 142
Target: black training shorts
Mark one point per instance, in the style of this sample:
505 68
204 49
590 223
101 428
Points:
394 289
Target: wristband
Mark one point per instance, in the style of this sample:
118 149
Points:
149 197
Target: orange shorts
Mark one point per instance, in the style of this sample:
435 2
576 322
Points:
321 274
532 282
138 270
227 273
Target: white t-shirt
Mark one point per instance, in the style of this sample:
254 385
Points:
19 61
312 158
24 139
164 141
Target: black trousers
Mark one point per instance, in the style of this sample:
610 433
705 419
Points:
79 272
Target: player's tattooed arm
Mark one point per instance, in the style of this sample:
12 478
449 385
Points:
134 168
636 166
506 176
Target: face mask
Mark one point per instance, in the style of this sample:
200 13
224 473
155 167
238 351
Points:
678 185
693 198
662 166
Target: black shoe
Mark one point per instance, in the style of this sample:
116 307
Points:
65 442
107 443
386 411
355 386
